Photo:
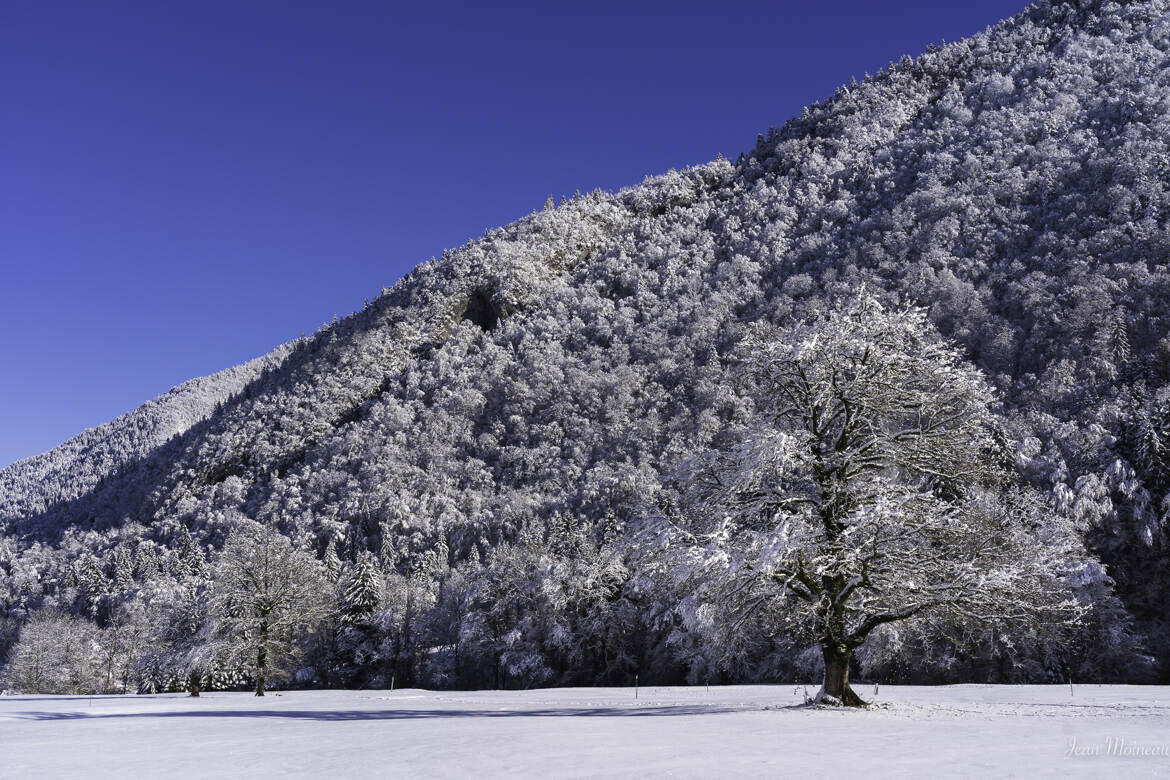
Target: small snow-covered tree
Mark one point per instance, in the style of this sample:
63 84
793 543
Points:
146 562
331 561
363 592
400 623
189 556
869 491
266 590
357 634
93 584
180 612
123 570
56 653
125 639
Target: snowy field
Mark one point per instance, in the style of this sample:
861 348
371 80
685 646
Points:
739 731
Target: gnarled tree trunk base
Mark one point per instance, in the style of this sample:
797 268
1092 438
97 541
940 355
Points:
849 699
835 691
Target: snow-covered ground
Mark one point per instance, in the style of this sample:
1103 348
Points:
738 731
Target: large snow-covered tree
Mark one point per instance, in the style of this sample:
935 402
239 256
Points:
266 591
871 489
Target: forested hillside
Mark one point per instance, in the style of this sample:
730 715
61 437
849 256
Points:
475 456
33 485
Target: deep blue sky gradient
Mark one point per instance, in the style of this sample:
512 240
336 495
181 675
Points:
183 186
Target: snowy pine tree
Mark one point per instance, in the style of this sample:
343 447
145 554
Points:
363 592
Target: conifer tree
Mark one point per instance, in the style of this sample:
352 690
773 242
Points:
146 564
123 569
331 561
363 592
93 583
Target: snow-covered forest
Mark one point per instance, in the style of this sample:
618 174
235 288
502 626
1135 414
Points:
586 448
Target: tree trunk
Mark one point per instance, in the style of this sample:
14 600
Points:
836 683
262 659
193 683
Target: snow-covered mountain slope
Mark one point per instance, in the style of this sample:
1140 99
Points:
32 485
550 377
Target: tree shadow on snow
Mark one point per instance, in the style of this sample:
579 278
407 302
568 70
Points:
403 714
25 697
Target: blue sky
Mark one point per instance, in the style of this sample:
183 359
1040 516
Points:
183 186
